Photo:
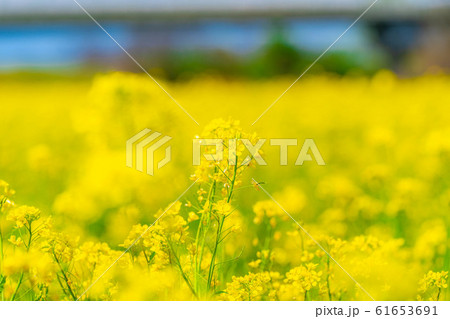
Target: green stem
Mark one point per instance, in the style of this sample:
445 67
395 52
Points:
17 287
216 245
146 258
72 294
219 229
328 278
233 181
177 262
202 217
203 231
30 235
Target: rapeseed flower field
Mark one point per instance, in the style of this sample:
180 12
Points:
75 220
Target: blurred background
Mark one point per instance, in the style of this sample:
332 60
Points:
178 39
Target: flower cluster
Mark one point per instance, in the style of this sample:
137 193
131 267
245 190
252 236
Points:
432 284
